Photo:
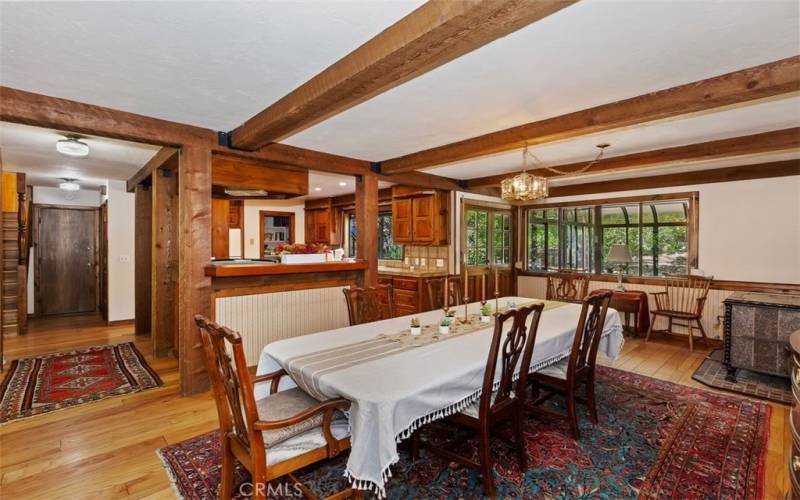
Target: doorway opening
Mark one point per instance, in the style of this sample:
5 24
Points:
275 228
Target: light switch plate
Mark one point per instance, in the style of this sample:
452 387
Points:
439 262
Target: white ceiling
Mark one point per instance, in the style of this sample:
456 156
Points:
761 117
324 184
33 150
215 64
211 64
590 53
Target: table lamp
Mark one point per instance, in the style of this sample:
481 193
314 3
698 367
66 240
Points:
619 255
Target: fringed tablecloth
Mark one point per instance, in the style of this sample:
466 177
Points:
396 386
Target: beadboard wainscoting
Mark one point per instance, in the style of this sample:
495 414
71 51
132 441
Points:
267 317
536 287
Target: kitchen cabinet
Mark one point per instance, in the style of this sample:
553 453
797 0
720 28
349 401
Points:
409 293
322 223
420 217
220 213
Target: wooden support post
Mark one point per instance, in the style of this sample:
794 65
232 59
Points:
142 258
367 226
194 287
164 275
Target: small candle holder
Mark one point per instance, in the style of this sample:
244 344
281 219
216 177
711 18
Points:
466 311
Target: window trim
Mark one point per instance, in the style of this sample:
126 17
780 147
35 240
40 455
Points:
491 209
692 223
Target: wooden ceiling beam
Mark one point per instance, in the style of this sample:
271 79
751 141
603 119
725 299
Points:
741 173
759 82
161 157
28 108
767 142
432 35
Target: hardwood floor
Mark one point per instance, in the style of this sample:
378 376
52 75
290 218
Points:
107 449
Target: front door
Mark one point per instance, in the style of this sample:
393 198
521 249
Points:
487 243
66 260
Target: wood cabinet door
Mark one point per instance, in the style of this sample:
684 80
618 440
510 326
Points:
311 226
220 212
323 224
423 216
401 220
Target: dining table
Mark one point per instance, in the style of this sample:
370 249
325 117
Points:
397 382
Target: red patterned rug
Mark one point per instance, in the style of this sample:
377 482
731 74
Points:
655 439
50 382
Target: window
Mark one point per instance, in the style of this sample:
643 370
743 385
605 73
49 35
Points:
387 250
487 238
580 237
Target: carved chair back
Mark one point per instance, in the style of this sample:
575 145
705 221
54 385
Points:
514 348
588 333
436 292
230 382
568 287
365 305
684 293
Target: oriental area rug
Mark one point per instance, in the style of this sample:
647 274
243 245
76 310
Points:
655 439
41 384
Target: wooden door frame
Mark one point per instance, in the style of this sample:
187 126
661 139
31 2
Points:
272 213
37 207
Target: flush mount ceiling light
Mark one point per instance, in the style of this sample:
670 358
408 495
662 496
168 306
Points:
69 185
317 189
343 184
72 146
527 187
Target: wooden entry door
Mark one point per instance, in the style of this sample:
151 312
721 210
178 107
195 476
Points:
66 280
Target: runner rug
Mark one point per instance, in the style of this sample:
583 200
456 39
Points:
655 439
41 384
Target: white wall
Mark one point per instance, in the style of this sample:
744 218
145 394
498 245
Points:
54 196
749 230
251 223
121 272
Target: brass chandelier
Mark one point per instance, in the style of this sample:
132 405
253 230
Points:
527 187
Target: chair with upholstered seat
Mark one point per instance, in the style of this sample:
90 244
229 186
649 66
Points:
683 299
568 287
499 401
273 436
365 305
436 292
566 376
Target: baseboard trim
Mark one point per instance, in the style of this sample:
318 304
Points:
120 322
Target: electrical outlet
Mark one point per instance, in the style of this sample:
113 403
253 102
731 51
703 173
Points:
439 262
124 258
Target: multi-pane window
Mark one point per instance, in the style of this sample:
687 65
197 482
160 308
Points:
487 238
656 232
387 250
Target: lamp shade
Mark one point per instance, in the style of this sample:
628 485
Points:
619 254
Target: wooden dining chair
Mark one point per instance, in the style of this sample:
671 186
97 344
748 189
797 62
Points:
365 305
566 376
274 436
568 287
436 292
683 299
499 402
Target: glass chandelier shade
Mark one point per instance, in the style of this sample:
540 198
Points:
524 186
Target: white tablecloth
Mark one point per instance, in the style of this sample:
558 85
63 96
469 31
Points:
394 395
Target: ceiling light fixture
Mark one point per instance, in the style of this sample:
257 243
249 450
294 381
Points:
72 146
343 184
527 187
246 192
317 189
69 185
